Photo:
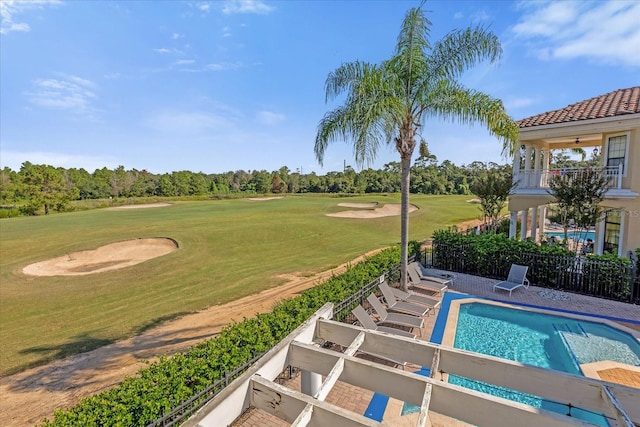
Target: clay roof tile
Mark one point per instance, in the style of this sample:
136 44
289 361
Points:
616 103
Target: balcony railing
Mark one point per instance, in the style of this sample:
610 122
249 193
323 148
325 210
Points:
539 179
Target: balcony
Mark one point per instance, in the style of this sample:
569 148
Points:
536 182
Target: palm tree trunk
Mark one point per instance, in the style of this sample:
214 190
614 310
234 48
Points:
404 220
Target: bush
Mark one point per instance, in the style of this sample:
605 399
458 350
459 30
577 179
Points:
553 266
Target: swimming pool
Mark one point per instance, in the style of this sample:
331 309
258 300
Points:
575 235
548 341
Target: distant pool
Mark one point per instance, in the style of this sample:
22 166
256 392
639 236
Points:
575 235
543 340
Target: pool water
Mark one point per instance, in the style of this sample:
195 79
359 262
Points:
575 235
542 340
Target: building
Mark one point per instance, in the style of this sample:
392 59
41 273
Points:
609 123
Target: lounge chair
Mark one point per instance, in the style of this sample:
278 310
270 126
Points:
389 293
396 319
516 279
424 274
396 306
367 322
425 284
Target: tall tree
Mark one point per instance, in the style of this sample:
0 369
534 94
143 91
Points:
492 187
390 102
578 194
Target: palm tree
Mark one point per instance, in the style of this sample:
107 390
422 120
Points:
390 102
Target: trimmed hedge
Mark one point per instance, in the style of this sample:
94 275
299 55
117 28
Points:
551 266
164 384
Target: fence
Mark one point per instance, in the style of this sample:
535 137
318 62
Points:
341 312
583 275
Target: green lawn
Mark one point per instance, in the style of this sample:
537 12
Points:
228 249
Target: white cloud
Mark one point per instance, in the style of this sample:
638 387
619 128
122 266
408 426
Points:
10 10
14 159
480 16
204 6
176 36
166 51
190 123
185 61
518 102
604 32
221 66
246 6
269 118
68 92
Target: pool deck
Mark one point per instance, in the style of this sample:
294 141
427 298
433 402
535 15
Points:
357 400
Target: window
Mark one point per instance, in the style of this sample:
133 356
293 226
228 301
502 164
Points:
612 227
617 151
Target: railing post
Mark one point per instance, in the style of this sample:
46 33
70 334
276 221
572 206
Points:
619 183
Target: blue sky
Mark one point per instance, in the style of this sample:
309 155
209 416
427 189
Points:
214 86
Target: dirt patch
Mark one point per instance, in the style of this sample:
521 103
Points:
109 257
390 209
145 206
32 395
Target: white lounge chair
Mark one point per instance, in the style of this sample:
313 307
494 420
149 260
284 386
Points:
404 307
367 322
390 294
424 274
516 279
425 284
396 319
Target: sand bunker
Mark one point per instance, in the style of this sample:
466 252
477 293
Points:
109 257
386 210
264 199
359 205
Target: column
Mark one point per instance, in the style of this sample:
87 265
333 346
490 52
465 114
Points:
513 224
536 168
524 218
310 382
543 215
534 220
527 166
516 165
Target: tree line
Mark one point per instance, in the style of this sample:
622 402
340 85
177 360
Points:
42 188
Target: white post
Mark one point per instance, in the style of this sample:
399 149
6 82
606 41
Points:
527 165
620 176
543 215
516 165
524 217
310 382
513 224
534 220
537 162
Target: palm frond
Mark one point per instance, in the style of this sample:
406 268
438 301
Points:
452 101
343 78
462 49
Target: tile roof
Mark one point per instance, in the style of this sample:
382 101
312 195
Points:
616 103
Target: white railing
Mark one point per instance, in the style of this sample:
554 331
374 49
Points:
539 179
